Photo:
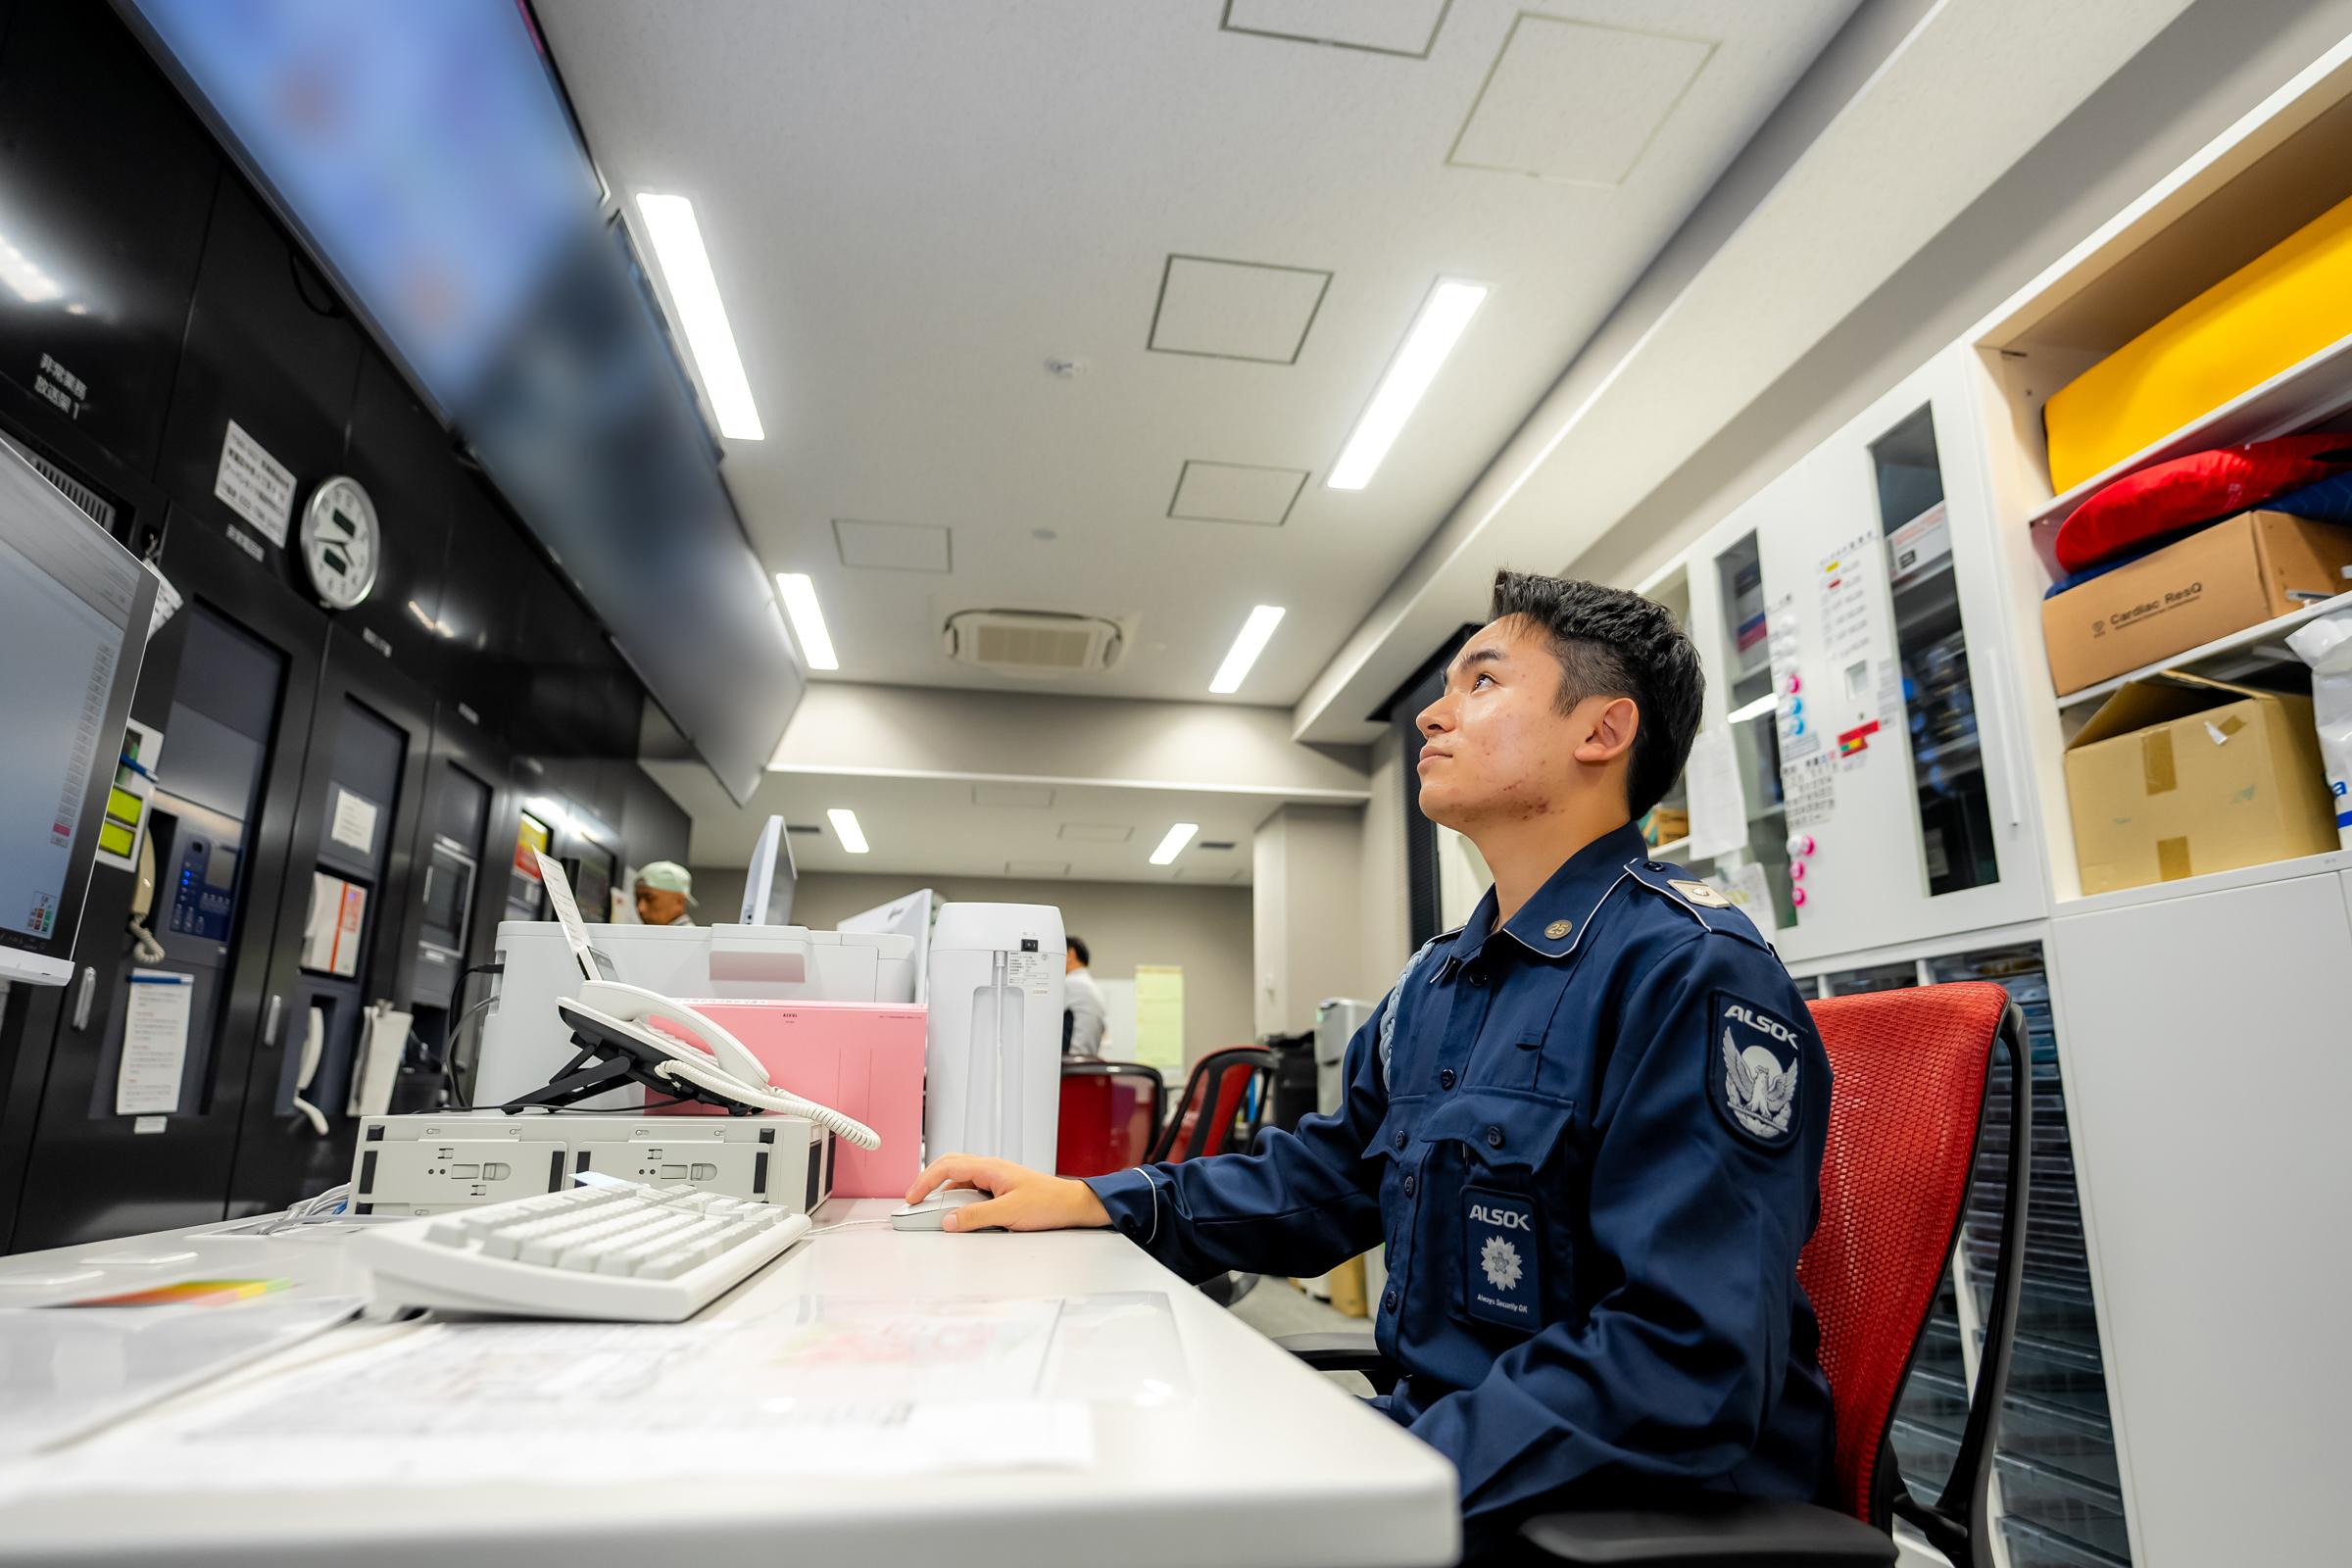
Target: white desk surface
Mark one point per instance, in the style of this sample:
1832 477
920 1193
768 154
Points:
1265 1463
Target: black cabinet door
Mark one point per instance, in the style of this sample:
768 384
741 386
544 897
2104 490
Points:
232 681
344 919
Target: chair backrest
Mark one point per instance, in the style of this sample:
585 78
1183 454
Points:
1910 1069
1111 1116
1203 1124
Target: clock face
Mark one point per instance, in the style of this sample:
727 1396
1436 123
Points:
339 542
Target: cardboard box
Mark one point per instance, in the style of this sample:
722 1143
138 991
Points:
2178 776
2254 568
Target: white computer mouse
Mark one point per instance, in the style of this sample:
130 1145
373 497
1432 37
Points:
928 1214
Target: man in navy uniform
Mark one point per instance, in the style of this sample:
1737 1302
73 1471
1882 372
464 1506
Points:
1588 1125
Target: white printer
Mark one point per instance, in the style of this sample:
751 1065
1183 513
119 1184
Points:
525 1044
993 1071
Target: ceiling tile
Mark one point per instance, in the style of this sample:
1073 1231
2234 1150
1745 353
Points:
1036 868
1231 310
1384 26
1236 492
1575 101
893 546
1032 797
1095 833
1191 874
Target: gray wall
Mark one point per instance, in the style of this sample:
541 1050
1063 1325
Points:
1204 930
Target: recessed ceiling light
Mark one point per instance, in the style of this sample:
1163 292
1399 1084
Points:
1444 318
1246 648
808 620
846 828
686 268
1173 845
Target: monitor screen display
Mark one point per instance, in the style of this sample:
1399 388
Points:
422 147
73 609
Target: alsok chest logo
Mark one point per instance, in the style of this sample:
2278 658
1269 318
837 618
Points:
1500 1261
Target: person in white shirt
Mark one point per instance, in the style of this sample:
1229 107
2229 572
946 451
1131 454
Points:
1083 1013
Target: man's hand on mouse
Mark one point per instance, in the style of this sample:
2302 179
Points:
1019 1199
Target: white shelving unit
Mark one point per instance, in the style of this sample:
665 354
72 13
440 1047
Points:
2143 1042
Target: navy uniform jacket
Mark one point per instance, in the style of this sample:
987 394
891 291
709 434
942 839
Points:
1592 1140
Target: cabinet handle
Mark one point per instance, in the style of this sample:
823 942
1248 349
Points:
81 1000
269 1021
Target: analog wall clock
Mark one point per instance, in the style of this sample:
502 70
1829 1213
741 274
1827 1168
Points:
339 542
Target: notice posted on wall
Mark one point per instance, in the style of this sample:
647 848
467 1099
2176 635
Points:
1718 805
1160 1015
353 823
255 485
154 1043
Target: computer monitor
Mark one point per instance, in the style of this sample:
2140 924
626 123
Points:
74 609
767 886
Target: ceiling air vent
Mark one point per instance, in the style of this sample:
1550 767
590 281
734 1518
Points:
1033 642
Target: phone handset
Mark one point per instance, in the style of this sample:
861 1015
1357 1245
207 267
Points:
313 1046
723 1065
144 947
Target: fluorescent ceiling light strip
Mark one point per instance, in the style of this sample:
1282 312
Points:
1173 845
1246 648
693 290
1436 331
1755 710
845 826
808 620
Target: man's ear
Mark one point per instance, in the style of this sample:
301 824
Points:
1609 729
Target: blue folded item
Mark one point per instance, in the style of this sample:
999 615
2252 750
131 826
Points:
2076 579
2328 501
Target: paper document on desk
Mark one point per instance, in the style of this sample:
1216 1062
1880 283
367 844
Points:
70 1372
459 1404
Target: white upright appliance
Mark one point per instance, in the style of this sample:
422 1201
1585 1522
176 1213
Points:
994 1067
1337 1019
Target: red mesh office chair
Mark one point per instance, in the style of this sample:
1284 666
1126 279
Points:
1221 1085
1906 1109
1217 1114
1110 1115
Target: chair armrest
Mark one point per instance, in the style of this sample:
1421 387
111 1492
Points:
1349 1350
1710 1531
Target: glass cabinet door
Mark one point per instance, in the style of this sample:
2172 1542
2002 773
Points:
1747 643
1948 756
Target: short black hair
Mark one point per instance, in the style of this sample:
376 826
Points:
1611 643
1078 946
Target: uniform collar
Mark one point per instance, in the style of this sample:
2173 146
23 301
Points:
1551 922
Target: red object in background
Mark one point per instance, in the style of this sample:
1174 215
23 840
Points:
2203 487
1110 1115
1219 1084
1909 1071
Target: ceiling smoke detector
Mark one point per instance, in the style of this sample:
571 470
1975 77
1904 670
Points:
1033 643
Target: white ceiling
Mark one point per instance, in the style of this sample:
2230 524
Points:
1920 108
941 827
912 207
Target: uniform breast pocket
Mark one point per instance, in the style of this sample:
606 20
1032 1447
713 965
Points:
1506 1252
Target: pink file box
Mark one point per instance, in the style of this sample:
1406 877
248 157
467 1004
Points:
862 1058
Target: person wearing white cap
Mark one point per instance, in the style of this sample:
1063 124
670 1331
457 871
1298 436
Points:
664 892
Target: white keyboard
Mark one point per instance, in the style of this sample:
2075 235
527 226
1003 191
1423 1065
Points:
620 1252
